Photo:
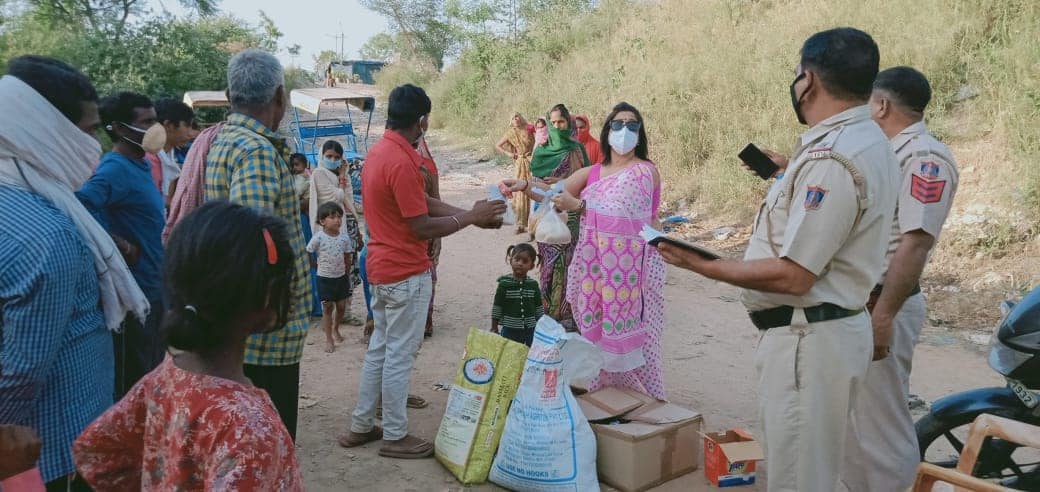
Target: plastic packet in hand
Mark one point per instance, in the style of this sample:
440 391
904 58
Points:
551 192
494 193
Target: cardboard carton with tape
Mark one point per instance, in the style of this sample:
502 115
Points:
641 442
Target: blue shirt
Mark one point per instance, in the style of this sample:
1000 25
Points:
122 196
56 370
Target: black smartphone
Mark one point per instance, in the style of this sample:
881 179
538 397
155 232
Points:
758 161
705 253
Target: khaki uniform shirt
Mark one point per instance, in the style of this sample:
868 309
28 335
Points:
819 217
929 182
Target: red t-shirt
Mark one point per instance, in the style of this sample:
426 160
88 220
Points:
394 190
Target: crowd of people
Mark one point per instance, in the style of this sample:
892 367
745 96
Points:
154 314
830 275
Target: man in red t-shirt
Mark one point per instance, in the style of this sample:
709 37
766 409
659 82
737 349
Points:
401 220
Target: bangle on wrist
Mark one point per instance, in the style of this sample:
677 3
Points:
458 224
581 207
527 185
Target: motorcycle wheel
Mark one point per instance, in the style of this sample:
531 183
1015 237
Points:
996 458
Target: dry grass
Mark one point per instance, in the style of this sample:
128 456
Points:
712 75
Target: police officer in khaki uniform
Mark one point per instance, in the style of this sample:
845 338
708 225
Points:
885 455
817 250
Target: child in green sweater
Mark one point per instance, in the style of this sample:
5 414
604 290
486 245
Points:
518 301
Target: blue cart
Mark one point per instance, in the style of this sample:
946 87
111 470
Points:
309 133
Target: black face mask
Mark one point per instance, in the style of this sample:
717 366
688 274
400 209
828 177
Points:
796 102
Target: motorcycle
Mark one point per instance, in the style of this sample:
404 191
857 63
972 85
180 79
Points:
1015 354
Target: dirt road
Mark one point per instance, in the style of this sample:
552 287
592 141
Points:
708 352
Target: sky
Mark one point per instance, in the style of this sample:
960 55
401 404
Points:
314 27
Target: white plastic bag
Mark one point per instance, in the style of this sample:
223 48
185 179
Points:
551 226
509 218
547 444
548 225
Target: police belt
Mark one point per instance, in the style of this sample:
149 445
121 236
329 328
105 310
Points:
781 316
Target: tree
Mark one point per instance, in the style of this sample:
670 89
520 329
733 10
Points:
423 31
382 47
297 78
321 60
294 51
102 14
162 56
271 33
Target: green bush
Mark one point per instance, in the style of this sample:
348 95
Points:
160 56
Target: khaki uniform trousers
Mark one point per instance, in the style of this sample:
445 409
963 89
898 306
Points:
809 378
885 455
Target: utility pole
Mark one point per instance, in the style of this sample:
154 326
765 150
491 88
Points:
342 41
337 44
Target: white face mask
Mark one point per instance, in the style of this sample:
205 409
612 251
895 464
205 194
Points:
623 141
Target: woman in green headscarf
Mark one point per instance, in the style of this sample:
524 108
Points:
554 162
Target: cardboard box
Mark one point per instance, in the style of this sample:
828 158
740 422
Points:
730 457
641 442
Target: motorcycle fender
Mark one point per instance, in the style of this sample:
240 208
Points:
982 400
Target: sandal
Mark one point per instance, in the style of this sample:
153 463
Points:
353 439
414 401
409 448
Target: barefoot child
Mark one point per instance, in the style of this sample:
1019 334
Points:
335 252
518 301
196 422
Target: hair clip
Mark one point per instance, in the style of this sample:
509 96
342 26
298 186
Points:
272 252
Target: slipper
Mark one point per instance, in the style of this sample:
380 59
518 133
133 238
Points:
353 321
409 448
354 439
413 402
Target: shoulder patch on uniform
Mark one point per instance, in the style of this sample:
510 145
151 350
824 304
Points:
927 190
814 197
929 170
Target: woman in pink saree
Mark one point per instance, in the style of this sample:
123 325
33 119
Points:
615 282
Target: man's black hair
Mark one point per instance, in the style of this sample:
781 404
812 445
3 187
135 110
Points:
170 110
906 86
218 269
120 108
58 82
845 59
407 104
328 209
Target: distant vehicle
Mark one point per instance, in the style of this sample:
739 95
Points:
309 134
207 99
358 71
